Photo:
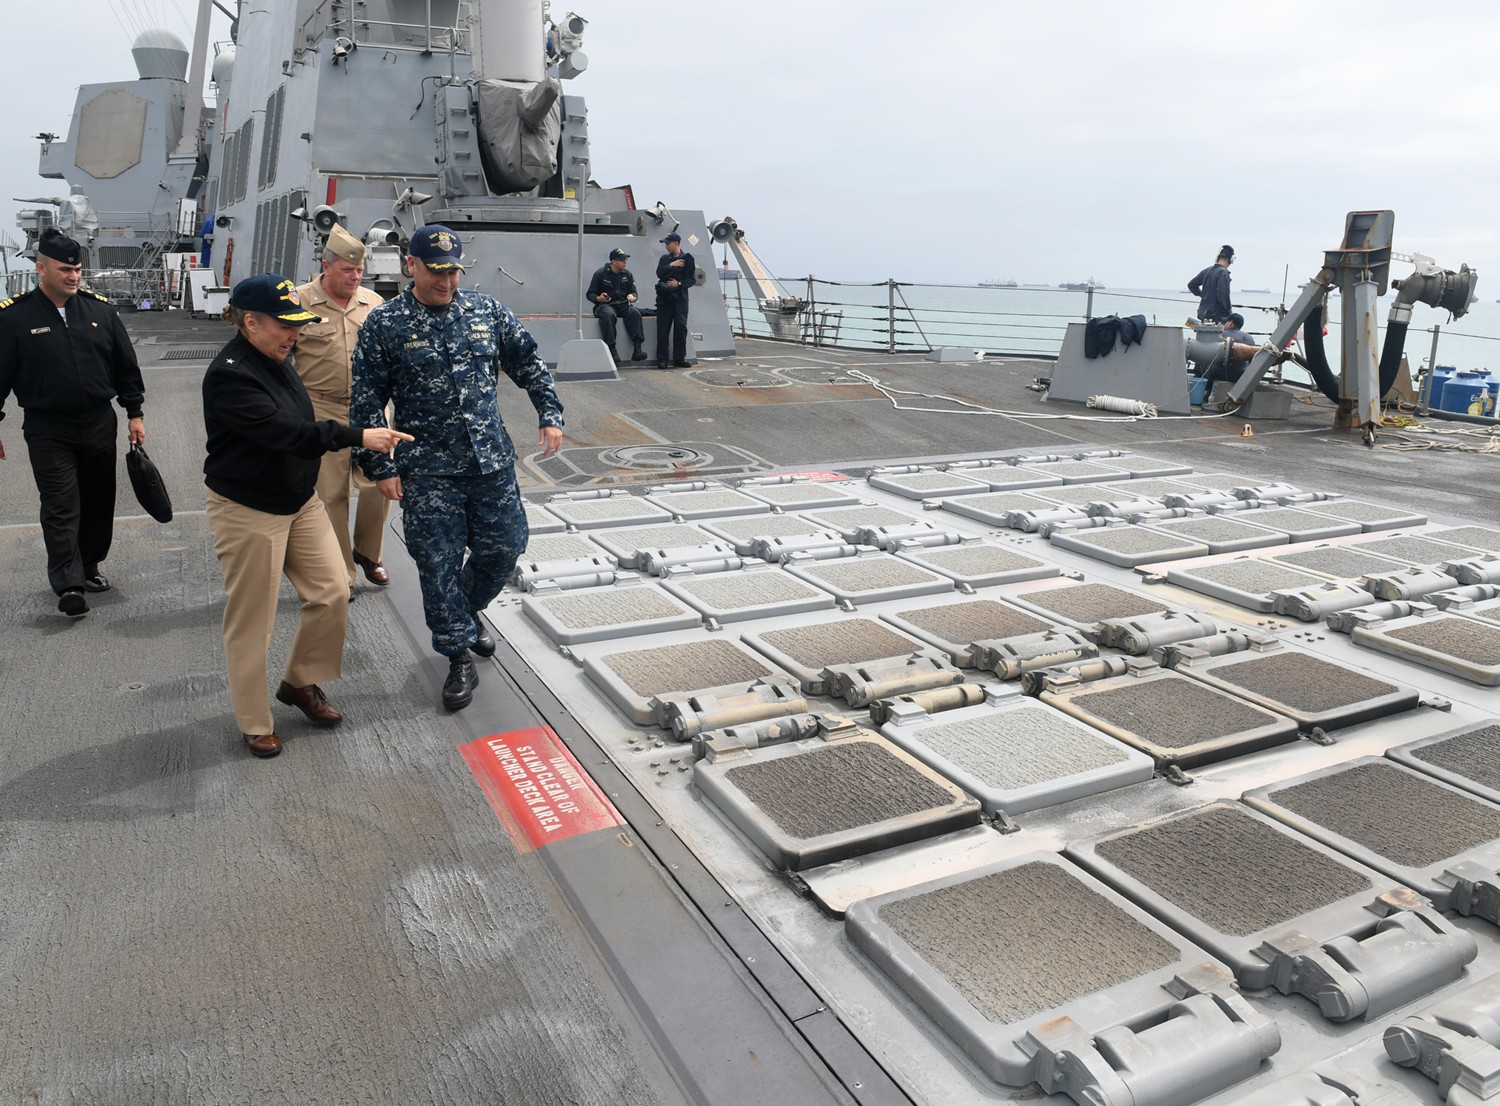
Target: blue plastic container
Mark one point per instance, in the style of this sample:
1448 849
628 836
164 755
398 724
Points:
1197 390
1469 393
1440 376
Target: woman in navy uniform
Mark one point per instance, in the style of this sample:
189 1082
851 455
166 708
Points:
264 449
65 354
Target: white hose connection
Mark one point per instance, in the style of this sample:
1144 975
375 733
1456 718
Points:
1125 406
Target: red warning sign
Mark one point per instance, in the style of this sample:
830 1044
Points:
538 790
816 475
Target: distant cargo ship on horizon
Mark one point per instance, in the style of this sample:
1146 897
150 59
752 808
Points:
996 282
1083 287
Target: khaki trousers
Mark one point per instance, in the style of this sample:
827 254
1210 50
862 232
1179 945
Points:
335 476
254 550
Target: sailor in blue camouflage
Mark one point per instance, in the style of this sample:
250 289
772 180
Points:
437 353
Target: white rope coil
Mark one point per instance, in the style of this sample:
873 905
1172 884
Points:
1127 406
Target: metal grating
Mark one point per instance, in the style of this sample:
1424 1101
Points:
1253 576
197 353
1217 529
1393 812
1474 642
800 495
559 547
1304 682
608 607
1023 747
1225 482
1480 537
1001 477
689 667
1076 472
1300 525
1340 562
858 518
1127 546
539 521
1025 939
709 502
869 574
975 560
929 483
980 620
1474 755
764 526
1233 871
1151 489
1083 496
1171 713
1356 510
1415 550
848 641
590 513
676 536
1091 602
837 787
756 589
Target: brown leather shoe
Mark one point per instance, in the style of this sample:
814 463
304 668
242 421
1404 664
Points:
311 701
374 571
262 744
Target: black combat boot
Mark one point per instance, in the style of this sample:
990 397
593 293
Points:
458 688
639 353
484 643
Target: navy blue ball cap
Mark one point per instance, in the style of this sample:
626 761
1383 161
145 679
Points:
618 254
274 295
673 237
438 248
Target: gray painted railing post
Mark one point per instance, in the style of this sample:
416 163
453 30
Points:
890 315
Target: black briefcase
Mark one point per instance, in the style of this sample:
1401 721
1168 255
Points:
145 479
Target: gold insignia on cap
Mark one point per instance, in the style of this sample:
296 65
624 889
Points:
444 240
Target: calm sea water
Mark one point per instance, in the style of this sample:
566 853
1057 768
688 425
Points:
1032 320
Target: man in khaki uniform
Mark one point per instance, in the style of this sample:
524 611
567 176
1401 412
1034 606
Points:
323 356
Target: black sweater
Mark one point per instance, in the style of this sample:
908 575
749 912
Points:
66 368
264 446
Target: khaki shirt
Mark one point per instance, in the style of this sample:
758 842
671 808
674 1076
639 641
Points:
325 350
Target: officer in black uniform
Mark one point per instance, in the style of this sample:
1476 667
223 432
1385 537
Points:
613 294
65 354
675 274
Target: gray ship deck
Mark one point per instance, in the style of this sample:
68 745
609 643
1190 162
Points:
351 923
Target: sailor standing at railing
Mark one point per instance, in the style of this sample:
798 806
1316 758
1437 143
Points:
324 354
65 354
1211 286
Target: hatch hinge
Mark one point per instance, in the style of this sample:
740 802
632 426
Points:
1411 951
1456 1043
1210 1039
859 685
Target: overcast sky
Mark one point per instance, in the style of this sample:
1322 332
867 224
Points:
955 141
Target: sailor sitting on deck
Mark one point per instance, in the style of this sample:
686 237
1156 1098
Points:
1239 349
613 294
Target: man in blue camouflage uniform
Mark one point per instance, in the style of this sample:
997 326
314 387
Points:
437 354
